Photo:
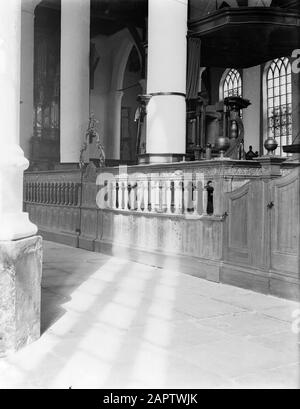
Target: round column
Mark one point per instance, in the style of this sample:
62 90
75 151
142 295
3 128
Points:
166 82
14 224
75 81
27 62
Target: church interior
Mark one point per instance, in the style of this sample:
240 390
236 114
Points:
163 133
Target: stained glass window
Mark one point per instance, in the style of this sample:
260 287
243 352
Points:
232 86
279 94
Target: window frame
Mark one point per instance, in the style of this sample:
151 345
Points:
266 98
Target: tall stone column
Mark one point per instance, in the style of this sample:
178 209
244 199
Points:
75 81
27 62
20 249
167 59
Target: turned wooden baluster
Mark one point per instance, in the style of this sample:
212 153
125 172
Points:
188 196
38 193
178 196
67 194
55 193
126 196
168 189
30 192
45 193
198 197
145 184
71 194
140 196
132 192
152 195
60 194
26 192
76 194
34 192
113 187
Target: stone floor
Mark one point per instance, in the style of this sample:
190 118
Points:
108 322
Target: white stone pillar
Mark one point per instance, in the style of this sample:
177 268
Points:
20 250
167 59
75 85
14 224
27 62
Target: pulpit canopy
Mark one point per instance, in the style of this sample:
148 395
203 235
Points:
246 36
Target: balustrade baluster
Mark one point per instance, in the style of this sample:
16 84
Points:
152 195
39 193
51 193
163 195
132 193
145 184
59 194
67 188
178 196
44 193
29 192
140 196
113 186
55 188
188 196
71 194
26 190
168 189
125 192
77 194
34 194
199 197
47 196
118 196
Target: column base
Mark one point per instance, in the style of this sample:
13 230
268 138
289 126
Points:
20 293
159 158
16 226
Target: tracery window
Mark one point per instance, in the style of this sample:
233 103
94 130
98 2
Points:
279 102
232 85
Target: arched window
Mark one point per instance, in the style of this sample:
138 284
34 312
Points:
279 102
232 84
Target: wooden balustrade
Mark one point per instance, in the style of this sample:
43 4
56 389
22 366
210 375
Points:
155 194
52 193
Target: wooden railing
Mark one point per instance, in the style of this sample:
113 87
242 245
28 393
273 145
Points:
170 215
180 189
173 195
59 193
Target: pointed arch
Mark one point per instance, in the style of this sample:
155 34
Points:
278 101
231 84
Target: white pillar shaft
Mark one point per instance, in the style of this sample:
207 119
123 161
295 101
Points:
27 58
75 86
167 51
14 224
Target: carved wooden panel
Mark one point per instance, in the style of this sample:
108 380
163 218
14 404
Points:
285 221
246 226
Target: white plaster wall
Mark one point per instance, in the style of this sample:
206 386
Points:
251 115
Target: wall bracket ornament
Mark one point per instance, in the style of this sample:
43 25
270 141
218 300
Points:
90 134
